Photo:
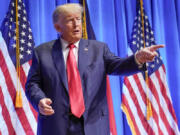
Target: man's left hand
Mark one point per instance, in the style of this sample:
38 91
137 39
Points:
147 54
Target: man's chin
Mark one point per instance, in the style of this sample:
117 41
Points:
76 38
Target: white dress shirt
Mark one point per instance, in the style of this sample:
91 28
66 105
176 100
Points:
65 50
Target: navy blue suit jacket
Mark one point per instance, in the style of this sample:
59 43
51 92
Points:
47 78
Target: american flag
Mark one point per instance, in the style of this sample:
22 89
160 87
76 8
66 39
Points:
13 121
136 91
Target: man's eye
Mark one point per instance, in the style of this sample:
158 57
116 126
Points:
70 20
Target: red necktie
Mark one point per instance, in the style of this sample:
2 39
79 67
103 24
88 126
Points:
74 84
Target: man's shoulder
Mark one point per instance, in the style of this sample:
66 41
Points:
93 42
46 45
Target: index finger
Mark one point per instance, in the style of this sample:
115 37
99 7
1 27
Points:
155 47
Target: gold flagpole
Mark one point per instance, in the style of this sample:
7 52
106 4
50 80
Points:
149 109
18 103
84 28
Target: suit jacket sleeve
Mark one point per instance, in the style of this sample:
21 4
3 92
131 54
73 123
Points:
120 66
33 86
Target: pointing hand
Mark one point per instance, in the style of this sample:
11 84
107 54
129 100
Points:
147 54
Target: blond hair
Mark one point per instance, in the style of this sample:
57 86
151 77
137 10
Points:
61 10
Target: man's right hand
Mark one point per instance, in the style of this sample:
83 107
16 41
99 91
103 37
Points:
44 106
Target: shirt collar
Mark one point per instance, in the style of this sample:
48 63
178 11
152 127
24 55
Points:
65 44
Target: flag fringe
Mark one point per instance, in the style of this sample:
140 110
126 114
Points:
130 122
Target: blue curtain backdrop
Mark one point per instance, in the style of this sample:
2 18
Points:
112 22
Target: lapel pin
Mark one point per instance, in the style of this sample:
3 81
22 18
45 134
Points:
85 49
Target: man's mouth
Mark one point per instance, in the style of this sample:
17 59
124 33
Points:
76 31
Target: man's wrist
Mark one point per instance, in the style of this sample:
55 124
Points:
140 65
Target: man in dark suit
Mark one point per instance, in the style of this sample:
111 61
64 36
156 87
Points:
51 78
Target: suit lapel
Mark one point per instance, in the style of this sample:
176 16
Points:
82 63
59 62
82 56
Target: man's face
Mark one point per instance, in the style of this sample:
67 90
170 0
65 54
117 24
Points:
70 27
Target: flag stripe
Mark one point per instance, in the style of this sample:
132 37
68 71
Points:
10 106
163 67
127 105
30 63
174 123
27 108
158 96
166 97
5 114
167 112
3 127
139 110
25 68
141 97
24 71
165 131
20 112
144 97
111 110
154 104
132 106
163 78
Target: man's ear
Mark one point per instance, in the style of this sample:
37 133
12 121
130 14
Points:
57 27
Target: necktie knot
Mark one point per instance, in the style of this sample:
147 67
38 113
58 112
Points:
71 46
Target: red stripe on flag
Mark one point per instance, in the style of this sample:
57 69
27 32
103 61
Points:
30 62
162 115
164 93
23 81
12 91
163 67
125 102
6 115
111 110
143 95
140 113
